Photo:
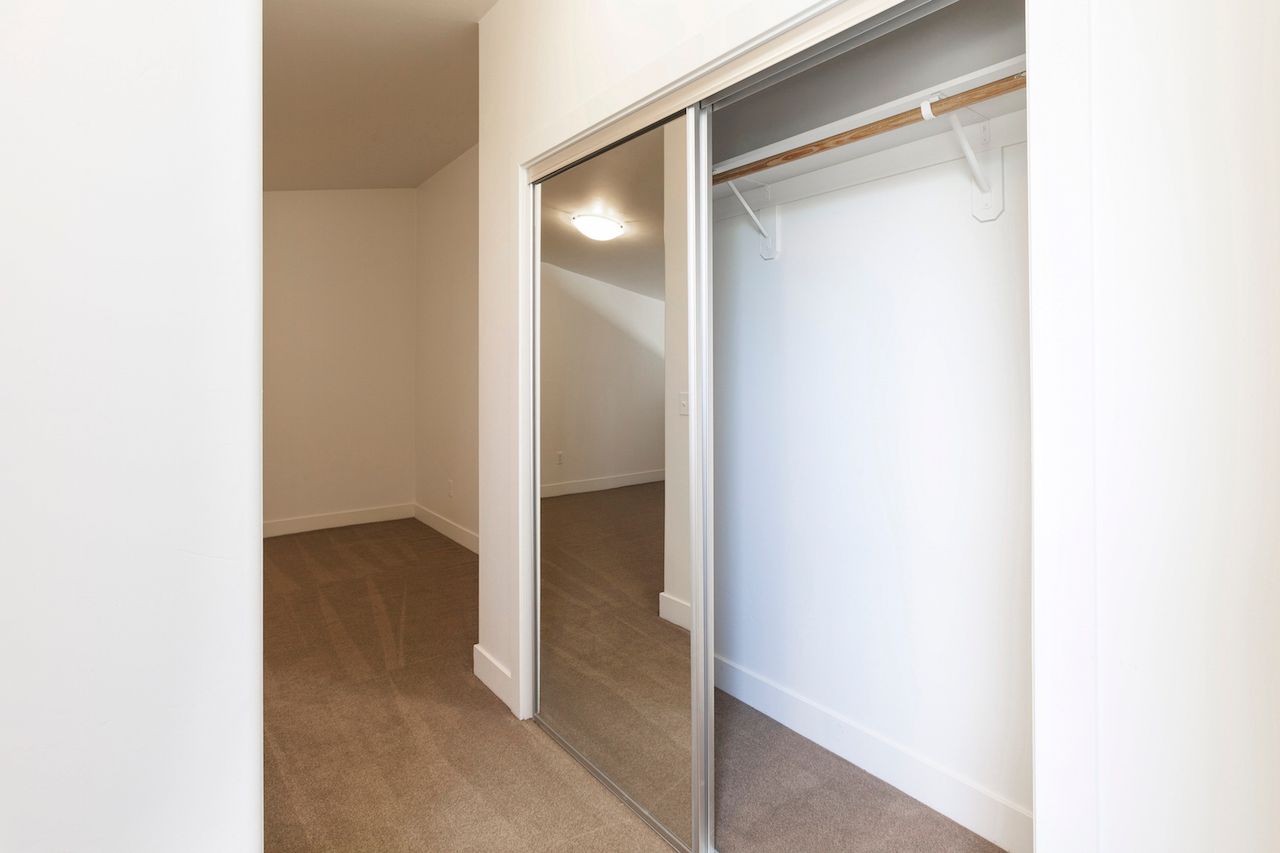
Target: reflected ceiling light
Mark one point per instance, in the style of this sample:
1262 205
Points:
597 227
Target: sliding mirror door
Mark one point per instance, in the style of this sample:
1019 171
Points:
614 646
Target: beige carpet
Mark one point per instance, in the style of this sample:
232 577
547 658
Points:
378 736
614 675
776 790
616 684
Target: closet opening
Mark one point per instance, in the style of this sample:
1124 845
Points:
870 503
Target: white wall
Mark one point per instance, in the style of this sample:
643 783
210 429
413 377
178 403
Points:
674 600
873 485
602 385
1187 420
1156 344
446 432
370 361
340 289
1064 591
130 473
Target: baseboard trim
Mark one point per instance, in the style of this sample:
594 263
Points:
468 539
599 484
1003 823
495 676
675 611
323 521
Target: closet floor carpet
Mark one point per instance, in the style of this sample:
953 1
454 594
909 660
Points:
776 790
616 678
378 736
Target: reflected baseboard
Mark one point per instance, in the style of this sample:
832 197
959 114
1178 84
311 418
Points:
599 484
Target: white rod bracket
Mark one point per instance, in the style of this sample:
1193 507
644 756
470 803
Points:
769 248
987 200
754 220
978 177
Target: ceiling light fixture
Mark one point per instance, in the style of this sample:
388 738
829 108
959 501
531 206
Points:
597 227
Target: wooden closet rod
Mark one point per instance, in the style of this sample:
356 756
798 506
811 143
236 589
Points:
950 104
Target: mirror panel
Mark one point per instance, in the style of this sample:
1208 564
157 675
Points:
614 649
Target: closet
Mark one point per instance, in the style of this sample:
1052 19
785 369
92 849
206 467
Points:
871 443
832 286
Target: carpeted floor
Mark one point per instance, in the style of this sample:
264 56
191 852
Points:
379 738
614 675
615 683
776 790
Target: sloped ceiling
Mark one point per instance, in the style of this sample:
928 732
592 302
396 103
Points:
367 93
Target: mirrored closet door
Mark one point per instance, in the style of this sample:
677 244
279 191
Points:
813 450
612 451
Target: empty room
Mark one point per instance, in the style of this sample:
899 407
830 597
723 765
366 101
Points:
729 425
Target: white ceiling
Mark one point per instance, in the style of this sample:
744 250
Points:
367 93
624 183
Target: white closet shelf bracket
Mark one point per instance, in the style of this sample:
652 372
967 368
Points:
769 248
751 213
979 178
987 200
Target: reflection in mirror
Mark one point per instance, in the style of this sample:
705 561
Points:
614 650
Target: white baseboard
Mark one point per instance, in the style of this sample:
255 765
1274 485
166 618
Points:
496 677
599 484
1003 823
675 611
323 521
468 539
